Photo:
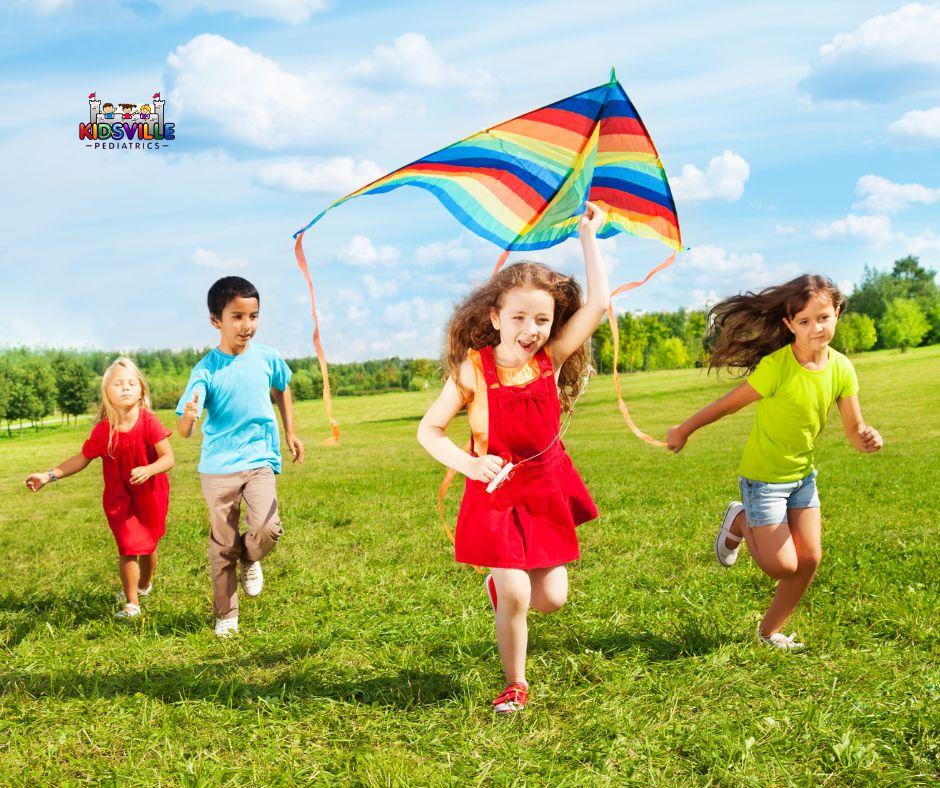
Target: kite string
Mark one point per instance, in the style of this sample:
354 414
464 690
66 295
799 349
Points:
615 332
317 345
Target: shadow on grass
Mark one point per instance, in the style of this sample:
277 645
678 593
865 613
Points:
687 640
21 616
215 681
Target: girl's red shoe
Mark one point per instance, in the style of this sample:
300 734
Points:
513 698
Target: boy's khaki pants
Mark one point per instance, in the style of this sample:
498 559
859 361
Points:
227 545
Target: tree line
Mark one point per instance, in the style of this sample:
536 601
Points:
887 309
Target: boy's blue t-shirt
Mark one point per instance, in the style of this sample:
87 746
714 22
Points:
240 430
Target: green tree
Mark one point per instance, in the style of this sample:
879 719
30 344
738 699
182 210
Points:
634 339
669 353
602 348
855 332
6 387
301 385
72 379
903 324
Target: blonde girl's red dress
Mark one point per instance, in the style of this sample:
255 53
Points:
530 521
136 512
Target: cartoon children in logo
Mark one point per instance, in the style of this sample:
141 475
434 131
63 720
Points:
108 110
144 111
127 111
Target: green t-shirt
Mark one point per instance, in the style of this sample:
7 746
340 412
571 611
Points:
792 413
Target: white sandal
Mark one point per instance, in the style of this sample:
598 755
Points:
130 610
724 554
780 641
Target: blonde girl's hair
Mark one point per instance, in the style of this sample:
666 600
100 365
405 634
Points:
745 328
107 411
471 327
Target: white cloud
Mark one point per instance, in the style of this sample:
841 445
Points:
44 7
724 179
412 62
703 299
925 243
785 229
356 313
293 12
442 251
845 286
206 258
232 90
378 288
875 229
885 57
884 196
718 259
418 314
717 269
918 126
339 175
361 253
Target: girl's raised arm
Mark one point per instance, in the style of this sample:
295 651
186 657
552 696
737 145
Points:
432 437
859 434
36 481
731 402
582 323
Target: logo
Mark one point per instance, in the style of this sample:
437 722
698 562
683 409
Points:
126 126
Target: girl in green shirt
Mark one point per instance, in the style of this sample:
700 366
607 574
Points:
780 337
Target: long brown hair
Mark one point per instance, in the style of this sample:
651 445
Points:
471 327
745 328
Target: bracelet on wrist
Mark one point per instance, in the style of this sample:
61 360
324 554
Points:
51 477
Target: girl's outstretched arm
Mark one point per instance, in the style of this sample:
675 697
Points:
36 481
732 402
860 435
582 323
432 437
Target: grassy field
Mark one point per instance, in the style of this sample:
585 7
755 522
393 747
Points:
370 657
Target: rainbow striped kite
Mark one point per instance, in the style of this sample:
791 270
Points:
523 184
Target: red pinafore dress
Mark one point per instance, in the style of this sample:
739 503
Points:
529 521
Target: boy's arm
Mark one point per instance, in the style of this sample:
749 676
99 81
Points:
583 323
285 404
74 464
186 422
859 434
732 402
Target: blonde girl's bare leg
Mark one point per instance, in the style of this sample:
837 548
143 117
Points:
514 591
549 588
130 577
805 527
148 566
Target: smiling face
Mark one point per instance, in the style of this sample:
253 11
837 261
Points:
237 324
814 325
123 389
524 321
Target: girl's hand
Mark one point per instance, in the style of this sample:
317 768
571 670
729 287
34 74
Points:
591 220
36 481
140 474
296 447
191 408
483 469
871 438
676 439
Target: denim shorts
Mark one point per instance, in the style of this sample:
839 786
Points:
766 503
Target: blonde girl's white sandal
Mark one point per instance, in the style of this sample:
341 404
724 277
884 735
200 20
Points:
130 610
780 641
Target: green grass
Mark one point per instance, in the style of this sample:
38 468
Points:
370 657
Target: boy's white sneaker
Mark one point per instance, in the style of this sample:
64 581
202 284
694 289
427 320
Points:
725 555
226 627
780 641
252 578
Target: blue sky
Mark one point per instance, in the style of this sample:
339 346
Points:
803 137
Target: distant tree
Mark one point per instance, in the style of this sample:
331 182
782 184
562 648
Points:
903 324
6 388
634 339
72 379
301 385
602 347
855 332
669 353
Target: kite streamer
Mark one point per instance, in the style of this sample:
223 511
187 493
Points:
522 184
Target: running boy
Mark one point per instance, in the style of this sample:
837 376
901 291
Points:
240 446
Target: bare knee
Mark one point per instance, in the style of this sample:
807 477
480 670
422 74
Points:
513 601
783 568
809 563
550 601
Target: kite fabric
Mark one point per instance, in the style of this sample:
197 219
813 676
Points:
522 184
